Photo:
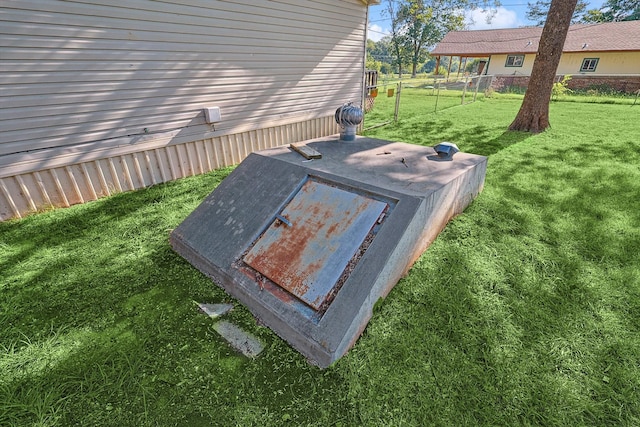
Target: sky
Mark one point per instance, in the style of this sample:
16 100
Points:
511 14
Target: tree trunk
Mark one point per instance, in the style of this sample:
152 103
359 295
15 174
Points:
414 59
399 63
534 112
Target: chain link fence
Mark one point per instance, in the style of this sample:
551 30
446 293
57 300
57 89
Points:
389 99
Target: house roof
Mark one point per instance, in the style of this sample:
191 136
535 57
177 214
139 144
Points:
609 36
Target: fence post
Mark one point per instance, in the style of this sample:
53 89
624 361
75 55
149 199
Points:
464 90
475 94
395 115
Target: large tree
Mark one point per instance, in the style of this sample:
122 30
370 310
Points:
425 24
398 46
534 111
380 50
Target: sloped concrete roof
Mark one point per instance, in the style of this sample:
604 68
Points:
605 37
270 232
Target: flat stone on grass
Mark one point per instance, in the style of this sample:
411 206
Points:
239 339
215 310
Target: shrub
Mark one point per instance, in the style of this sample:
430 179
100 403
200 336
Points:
489 91
561 87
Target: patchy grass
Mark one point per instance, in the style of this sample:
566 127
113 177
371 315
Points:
524 311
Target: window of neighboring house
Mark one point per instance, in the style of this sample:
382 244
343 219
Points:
514 61
589 64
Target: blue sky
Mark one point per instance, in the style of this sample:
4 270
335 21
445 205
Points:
511 14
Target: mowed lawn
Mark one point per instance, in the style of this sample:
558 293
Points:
524 311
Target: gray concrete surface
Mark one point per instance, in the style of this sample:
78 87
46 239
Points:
422 193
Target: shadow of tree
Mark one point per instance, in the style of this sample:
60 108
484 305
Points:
104 307
99 242
499 307
478 139
478 145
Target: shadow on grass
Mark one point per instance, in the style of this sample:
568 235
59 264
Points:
100 328
73 270
477 144
514 303
523 311
528 301
480 139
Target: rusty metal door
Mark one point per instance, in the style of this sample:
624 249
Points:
310 243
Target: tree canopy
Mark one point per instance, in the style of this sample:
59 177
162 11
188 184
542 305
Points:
615 11
610 11
417 25
425 25
537 11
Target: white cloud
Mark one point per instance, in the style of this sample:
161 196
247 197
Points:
476 19
376 32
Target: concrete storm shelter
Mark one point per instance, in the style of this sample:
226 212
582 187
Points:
309 246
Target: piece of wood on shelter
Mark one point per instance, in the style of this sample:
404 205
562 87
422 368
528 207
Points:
306 151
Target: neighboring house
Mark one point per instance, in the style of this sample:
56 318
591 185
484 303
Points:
98 97
597 55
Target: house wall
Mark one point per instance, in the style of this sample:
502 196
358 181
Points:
600 84
106 96
497 66
610 63
505 83
618 71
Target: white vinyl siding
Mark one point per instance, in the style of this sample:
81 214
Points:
127 72
104 96
499 65
609 63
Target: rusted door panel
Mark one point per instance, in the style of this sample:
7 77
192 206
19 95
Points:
308 246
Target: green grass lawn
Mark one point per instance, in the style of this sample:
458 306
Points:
524 311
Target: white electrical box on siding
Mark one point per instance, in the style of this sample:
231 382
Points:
212 114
